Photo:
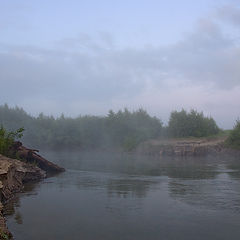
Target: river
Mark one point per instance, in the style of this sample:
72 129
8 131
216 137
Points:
112 196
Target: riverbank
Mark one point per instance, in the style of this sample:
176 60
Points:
13 175
186 147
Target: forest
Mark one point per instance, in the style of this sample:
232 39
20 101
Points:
123 129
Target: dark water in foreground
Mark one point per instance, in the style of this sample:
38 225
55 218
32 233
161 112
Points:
114 196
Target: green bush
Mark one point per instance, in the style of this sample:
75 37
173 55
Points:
234 138
192 124
4 236
7 139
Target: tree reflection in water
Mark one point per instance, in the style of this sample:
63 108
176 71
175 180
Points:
12 206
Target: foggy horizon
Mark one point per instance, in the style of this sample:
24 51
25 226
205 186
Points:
86 58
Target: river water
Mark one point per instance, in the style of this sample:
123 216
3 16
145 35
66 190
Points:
110 196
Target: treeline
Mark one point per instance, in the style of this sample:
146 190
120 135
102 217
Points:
123 129
184 124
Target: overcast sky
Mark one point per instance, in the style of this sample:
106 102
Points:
86 57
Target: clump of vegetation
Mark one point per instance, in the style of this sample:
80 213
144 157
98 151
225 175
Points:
127 129
234 138
192 124
7 139
3 235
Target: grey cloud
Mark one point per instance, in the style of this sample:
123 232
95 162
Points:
203 56
206 55
230 13
62 75
87 44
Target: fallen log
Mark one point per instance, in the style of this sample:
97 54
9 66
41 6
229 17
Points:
30 155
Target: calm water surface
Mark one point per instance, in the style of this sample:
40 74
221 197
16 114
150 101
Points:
119 196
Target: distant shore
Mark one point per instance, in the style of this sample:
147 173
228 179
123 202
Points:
186 147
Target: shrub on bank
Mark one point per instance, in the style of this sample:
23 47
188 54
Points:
234 138
7 139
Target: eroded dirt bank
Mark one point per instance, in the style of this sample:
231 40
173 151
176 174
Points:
185 147
14 173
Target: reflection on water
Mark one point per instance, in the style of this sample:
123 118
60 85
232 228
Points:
18 218
118 196
219 193
12 206
234 169
128 186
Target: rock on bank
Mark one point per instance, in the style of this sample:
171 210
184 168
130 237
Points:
13 174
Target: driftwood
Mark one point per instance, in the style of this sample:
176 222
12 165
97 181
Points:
31 156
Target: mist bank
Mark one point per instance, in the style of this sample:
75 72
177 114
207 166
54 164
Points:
123 130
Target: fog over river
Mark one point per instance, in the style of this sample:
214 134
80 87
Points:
127 197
